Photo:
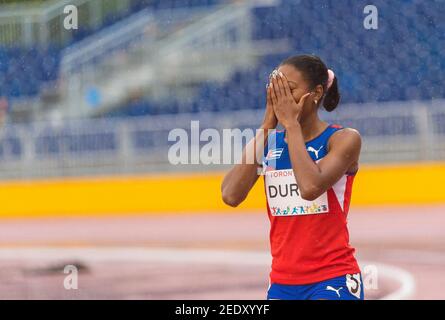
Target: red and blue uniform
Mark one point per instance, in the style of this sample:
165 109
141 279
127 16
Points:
311 254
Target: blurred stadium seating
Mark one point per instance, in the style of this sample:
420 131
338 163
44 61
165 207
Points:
396 62
24 69
392 60
398 67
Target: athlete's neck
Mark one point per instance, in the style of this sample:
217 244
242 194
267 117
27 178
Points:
311 127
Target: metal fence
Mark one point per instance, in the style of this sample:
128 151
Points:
392 132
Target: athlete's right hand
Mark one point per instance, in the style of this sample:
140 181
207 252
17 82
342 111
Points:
270 120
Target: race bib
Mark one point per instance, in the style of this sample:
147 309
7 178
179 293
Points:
284 199
354 284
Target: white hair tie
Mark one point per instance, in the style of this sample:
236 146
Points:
331 76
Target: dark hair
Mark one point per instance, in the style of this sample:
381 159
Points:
315 72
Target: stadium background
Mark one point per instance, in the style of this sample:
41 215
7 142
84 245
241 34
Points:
85 115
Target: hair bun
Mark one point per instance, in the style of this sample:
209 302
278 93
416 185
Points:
332 97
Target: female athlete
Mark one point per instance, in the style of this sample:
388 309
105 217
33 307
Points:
308 173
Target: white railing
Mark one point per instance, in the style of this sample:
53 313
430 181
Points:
199 44
119 59
392 132
134 29
121 34
226 31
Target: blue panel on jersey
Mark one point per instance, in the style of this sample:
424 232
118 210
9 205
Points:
276 152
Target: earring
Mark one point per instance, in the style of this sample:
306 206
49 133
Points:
316 102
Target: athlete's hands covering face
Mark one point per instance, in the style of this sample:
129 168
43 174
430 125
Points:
286 109
270 120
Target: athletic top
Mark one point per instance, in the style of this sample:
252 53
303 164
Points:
309 239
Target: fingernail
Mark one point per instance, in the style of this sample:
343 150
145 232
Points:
281 74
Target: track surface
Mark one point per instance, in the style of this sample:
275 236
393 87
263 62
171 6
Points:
205 256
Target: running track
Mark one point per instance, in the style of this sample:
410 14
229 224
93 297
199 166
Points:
207 256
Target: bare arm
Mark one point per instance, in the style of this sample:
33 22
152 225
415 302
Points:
313 178
242 177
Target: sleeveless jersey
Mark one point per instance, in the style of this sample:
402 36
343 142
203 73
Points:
309 239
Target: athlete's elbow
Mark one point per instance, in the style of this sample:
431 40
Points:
310 193
309 196
231 200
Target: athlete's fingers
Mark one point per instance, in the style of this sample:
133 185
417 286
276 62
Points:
275 87
270 76
286 85
281 85
268 96
303 99
273 97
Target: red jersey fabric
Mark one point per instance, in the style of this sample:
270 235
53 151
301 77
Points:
309 240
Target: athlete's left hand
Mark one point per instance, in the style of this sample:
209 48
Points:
287 110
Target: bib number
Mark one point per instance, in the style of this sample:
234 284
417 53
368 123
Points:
284 199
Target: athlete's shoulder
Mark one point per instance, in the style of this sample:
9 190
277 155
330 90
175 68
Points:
345 131
339 127
346 137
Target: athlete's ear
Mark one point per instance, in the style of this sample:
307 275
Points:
317 93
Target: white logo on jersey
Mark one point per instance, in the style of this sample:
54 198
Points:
333 289
274 154
311 149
